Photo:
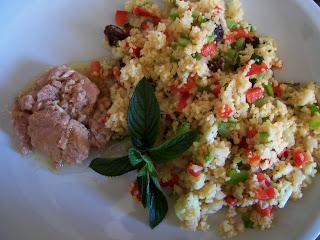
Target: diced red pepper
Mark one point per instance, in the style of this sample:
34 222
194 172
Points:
263 178
253 94
208 49
217 90
256 68
168 35
134 190
194 170
276 89
283 153
237 34
127 29
174 180
114 73
265 193
252 132
253 158
183 101
95 68
145 25
299 157
141 12
136 51
223 111
185 87
265 212
230 200
121 17
243 144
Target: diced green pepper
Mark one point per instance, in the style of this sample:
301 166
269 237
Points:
269 90
196 56
257 58
247 222
240 44
263 136
224 129
183 41
208 158
260 102
231 24
210 38
236 177
314 122
252 28
195 14
202 19
174 13
314 108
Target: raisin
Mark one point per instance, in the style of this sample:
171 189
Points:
218 32
114 34
215 64
254 41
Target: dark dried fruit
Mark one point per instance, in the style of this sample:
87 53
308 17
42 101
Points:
114 34
121 63
218 32
254 41
215 64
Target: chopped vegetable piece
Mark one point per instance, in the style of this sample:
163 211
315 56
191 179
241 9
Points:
139 11
314 108
314 122
276 89
174 13
253 158
217 90
268 89
231 24
223 111
238 33
208 158
231 59
263 178
208 49
240 44
183 128
230 200
196 56
263 136
183 42
136 51
145 25
247 222
174 45
299 157
122 17
194 170
210 38
252 28
283 153
256 68
265 212
252 132
185 87
224 129
202 19
237 176
174 180
195 14
253 94
265 193
95 68
183 101
257 58
260 102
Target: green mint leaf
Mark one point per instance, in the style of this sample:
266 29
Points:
111 167
158 206
236 177
173 148
144 188
134 156
143 115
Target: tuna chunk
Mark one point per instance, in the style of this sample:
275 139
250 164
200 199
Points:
56 116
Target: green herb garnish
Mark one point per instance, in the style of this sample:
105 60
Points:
240 44
143 126
224 128
174 13
183 41
202 19
314 108
237 176
210 38
208 158
269 90
196 56
183 128
231 24
195 14
231 59
314 122
263 137
260 102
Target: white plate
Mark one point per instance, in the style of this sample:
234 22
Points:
36 203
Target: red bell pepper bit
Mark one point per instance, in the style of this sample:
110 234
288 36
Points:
276 89
256 69
208 49
265 212
134 190
263 178
253 158
141 12
194 170
252 132
121 17
223 111
185 88
136 51
283 153
217 89
253 94
174 180
183 101
299 157
95 68
230 200
238 33
265 193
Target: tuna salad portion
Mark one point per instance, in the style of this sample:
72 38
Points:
61 115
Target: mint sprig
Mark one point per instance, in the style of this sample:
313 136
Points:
143 127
